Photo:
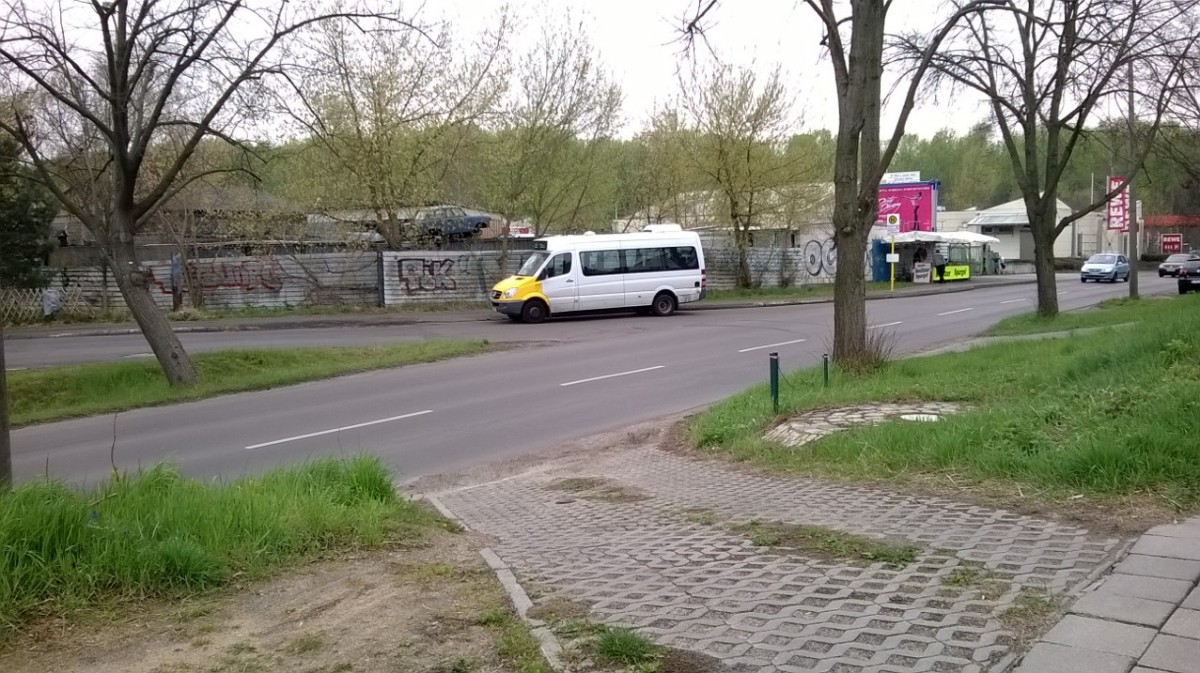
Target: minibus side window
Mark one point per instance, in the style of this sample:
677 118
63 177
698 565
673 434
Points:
681 258
601 262
560 265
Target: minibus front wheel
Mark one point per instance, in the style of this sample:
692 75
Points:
534 311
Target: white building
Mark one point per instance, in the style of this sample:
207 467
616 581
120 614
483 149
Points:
1010 223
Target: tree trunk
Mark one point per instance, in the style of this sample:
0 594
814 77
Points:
744 277
1043 262
134 284
6 478
850 295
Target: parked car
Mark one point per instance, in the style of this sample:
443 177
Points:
1170 266
449 222
1105 266
1189 276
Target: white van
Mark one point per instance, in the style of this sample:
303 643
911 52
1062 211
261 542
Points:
654 271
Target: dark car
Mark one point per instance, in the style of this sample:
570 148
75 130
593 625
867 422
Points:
450 222
1170 266
1189 276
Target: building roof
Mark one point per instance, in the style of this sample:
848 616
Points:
1011 214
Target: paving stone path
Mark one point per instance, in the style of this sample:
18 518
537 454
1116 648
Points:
1144 617
648 544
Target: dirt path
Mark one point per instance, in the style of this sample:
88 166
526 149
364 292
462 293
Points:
436 608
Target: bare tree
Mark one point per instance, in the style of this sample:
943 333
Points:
1051 68
95 84
854 39
740 131
562 110
391 109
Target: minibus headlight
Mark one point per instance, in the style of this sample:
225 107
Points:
510 292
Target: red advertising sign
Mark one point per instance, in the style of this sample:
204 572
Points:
1118 207
915 203
1172 243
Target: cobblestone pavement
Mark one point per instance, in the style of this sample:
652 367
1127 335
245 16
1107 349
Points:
649 545
813 425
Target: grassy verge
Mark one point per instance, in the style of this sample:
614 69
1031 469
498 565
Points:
813 291
189 314
1111 414
156 534
1110 312
41 395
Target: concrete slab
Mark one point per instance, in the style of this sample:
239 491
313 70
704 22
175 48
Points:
1185 623
1127 609
1052 658
1172 653
1154 588
1104 636
1170 547
1192 602
1189 528
1158 566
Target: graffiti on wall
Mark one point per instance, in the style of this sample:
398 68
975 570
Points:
263 274
251 275
820 257
422 275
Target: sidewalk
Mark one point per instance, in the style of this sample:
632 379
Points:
466 315
648 538
1144 617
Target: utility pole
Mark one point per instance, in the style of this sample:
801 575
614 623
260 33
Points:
6 479
1131 210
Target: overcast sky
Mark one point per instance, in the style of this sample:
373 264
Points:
639 43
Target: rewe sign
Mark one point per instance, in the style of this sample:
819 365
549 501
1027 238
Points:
1172 243
1118 207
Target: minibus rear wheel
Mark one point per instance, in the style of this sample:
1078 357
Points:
664 304
534 311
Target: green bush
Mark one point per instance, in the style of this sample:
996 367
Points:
157 533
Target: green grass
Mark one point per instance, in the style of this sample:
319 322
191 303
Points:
520 649
157 534
810 290
42 395
189 314
625 647
1109 414
827 543
1110 312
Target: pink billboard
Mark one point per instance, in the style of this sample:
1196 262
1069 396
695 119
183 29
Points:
915 203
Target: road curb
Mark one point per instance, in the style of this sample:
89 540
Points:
547 642
483 316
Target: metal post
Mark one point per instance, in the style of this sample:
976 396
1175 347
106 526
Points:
1131 210
893 264
775 382
6 479
825 367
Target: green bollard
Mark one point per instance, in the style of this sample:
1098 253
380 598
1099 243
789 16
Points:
775 381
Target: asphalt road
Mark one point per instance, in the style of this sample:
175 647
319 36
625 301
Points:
584 376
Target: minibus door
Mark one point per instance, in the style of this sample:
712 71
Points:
558 283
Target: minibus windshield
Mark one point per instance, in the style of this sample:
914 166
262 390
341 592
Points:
532 264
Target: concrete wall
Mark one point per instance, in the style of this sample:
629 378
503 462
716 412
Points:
244 282
439 277
368 278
